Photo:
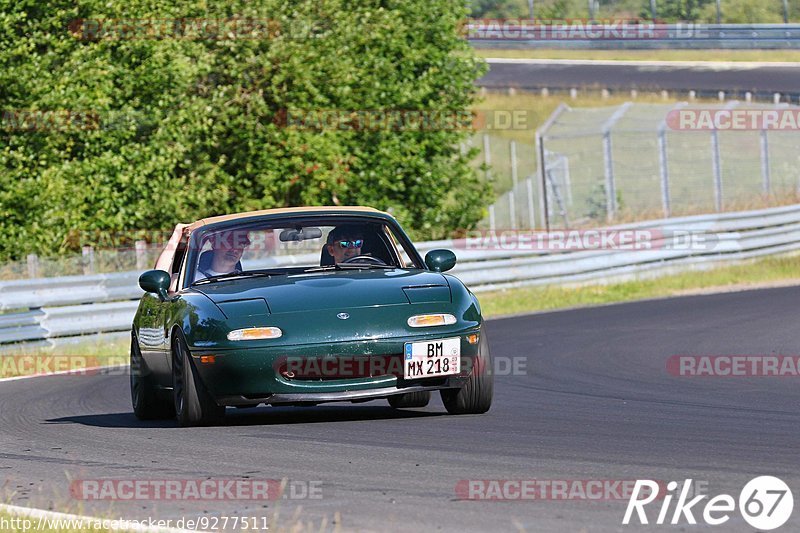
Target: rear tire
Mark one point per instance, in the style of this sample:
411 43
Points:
194 406
147 401
475 397
410 399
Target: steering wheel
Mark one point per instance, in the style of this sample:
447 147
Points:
364 259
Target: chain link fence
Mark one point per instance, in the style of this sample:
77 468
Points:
643 161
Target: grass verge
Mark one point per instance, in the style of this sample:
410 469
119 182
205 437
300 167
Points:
772 271
27 361
647 55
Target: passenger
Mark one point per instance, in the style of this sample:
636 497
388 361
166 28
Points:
224 257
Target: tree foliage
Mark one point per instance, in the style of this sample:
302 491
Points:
182 128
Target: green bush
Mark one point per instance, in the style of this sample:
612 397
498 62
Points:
176 129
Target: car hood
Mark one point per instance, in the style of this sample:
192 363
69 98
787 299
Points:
328 290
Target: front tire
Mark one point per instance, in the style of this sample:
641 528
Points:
410 399
475 397
147 401
194 406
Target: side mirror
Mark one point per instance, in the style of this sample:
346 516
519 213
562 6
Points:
440 260
155 281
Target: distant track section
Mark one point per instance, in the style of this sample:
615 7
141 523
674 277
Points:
760 79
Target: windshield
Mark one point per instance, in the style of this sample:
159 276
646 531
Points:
296 246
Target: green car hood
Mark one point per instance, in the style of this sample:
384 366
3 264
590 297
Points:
328 290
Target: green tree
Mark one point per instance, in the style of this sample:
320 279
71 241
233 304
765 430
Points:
175 129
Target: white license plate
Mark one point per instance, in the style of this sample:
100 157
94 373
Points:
441 357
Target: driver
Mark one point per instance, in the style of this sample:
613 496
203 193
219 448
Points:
345 242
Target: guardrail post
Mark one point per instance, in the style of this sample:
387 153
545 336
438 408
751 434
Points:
765 178
88 259
141 255
33 266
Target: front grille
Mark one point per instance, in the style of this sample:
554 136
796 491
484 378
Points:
340 367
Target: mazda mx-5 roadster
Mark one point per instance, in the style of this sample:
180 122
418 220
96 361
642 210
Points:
301 306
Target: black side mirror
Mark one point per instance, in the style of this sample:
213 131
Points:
155 281
440 260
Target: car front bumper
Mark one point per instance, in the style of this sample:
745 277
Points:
315 373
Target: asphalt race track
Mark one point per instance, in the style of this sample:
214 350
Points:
706 79
595 403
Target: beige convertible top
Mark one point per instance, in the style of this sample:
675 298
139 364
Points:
283 210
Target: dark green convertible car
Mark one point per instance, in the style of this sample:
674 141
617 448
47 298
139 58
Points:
301 306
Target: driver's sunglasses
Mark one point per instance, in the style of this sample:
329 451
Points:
357 243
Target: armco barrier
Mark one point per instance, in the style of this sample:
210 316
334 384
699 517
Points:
61 308
527 34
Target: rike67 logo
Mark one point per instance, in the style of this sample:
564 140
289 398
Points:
765 503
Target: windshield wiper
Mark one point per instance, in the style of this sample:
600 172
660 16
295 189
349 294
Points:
347 266
234 275
355 266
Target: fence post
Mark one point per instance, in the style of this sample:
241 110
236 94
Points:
765 178
512 214
716 167
492 225
611 191
141 255
33 266
608 167
567 180
487 157
542 183
512 208
662 161
531 214
88 260
541 166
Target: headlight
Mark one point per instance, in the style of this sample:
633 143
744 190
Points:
423 321
252 334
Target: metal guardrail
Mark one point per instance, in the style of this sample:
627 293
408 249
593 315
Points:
55 309
585 35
